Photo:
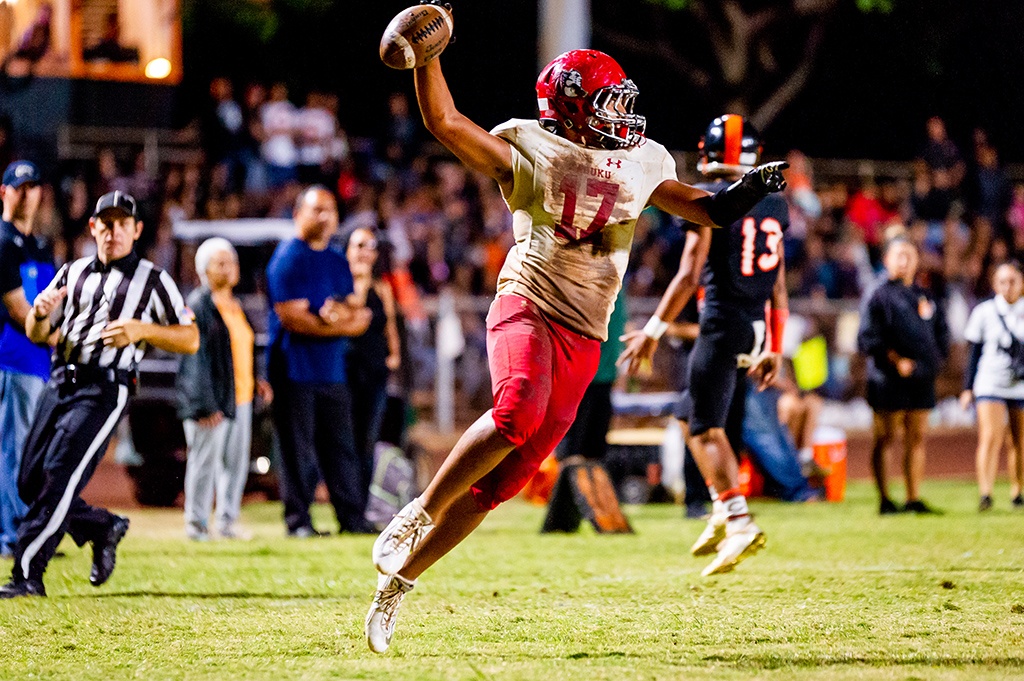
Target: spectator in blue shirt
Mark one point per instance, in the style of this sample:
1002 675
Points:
26 268
311 319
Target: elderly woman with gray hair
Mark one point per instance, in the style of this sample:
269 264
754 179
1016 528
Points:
215 393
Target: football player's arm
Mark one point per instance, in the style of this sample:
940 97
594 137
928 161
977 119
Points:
678 198
725 206
641 343
767 369
474 146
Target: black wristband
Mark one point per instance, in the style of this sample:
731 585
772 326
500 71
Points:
38 318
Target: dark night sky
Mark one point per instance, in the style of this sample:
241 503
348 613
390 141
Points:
878 78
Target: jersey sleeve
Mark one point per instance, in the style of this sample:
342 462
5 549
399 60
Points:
974 331
168 304
518 137
659 166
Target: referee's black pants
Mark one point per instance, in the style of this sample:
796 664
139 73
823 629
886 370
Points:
71 431
314 426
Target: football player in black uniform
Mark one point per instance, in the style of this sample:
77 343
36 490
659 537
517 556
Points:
741 268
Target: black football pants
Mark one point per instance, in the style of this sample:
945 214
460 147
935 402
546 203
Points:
69 436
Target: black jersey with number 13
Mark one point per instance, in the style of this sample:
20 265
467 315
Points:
743 262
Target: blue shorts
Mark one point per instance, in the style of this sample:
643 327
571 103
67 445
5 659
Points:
1011 403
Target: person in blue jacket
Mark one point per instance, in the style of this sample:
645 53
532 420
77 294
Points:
26 267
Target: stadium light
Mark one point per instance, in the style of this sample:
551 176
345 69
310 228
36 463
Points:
158 69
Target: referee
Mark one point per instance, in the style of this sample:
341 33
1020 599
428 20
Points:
101 312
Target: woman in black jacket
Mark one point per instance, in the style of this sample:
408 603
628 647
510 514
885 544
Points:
904 335
215 393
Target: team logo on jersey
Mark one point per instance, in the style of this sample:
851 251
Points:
572 84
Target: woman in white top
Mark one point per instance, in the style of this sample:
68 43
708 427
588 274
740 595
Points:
990 381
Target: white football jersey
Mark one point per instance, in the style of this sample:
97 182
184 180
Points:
573 214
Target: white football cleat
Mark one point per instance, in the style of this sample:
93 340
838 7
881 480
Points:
401 537
380 621
739 543
713 534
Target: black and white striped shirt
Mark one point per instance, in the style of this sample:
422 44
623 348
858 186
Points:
129 288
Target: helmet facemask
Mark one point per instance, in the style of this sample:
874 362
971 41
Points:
613 119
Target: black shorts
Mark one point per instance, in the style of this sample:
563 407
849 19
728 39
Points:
894 393
718 388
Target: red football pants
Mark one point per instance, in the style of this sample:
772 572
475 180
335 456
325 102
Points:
539 372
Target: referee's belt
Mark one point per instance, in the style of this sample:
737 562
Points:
71 376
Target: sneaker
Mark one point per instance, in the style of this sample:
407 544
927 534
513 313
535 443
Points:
713 534
234 531
739 543
1017 501
306 532
380 621
197 531
401 537
887 507
984 504
22 587
919 507
104 551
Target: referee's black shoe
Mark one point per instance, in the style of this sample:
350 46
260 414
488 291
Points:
22 587
104 552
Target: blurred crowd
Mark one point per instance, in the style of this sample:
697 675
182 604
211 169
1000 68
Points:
449 227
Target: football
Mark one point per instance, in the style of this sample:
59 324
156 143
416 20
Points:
415 36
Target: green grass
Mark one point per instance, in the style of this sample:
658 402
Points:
839 593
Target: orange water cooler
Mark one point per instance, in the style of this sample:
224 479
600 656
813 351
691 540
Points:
830 454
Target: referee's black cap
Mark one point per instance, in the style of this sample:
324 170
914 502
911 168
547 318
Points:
116 201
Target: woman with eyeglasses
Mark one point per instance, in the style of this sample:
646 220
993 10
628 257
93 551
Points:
375 354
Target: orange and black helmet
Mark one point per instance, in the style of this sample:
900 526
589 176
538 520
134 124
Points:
730 145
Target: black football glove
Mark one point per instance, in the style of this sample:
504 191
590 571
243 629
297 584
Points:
730 204
770 176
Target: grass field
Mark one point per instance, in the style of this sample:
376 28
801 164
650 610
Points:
839 593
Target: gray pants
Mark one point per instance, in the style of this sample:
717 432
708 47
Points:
218 461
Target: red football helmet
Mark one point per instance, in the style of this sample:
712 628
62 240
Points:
587 90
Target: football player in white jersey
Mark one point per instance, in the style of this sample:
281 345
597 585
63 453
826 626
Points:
576 181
